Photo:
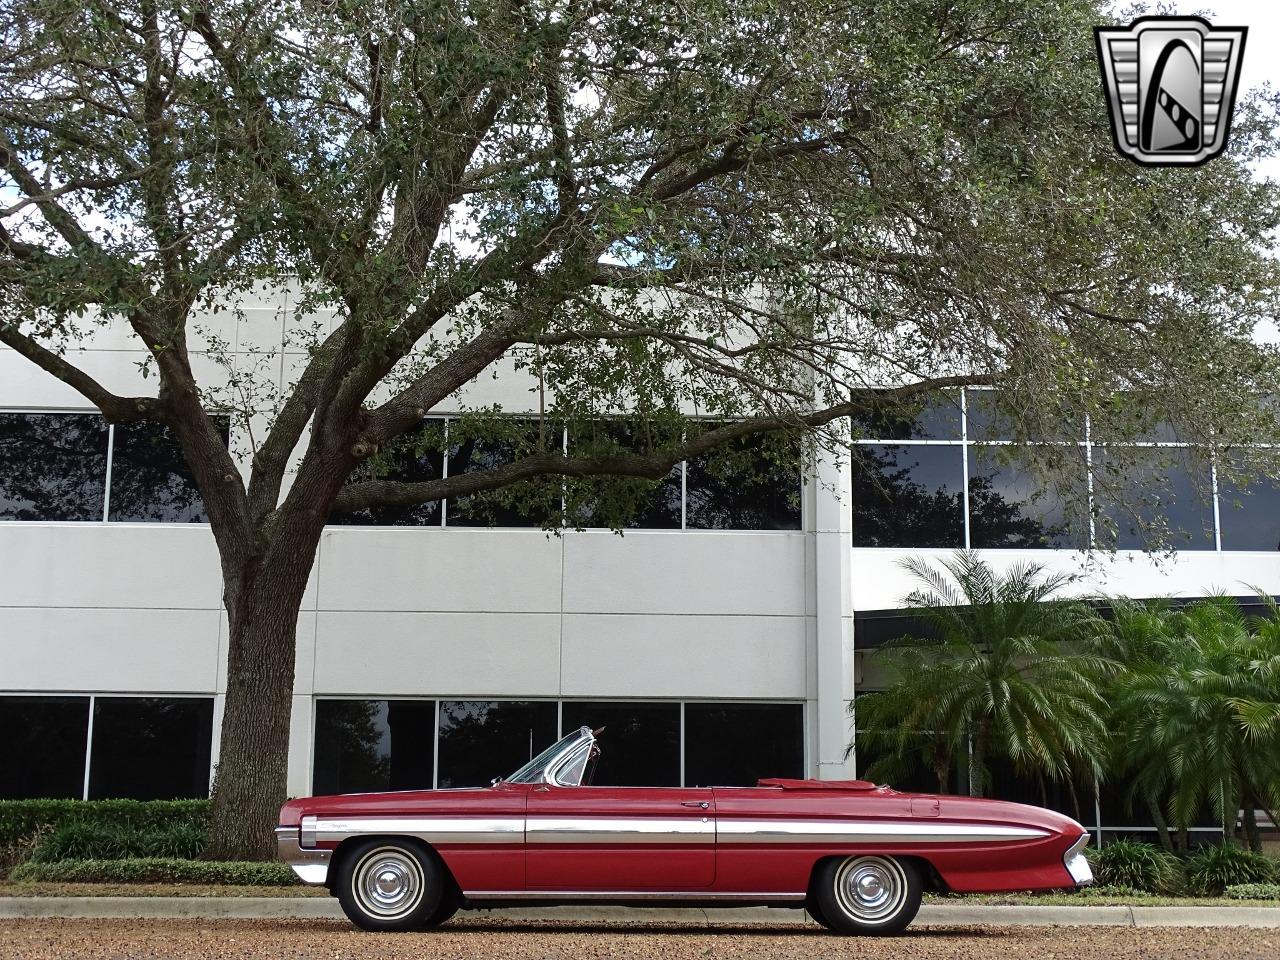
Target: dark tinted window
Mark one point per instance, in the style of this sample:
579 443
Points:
748 484
603 501
483 739
908 496
53 466
1074 798
734 745
1131 416
414 457
933 418
150 479
1009 506
368 745
1249 515
1120 809
42 750
1140 492
150 748
528 504
640 744
990 415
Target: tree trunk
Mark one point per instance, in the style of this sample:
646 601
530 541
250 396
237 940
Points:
942 759
1253 838
251 775
1162 828
978 760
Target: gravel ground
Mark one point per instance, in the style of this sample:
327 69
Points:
500 940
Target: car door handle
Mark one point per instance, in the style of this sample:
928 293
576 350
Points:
700 804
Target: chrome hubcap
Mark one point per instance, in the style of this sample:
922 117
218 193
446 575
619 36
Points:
871 889
388 882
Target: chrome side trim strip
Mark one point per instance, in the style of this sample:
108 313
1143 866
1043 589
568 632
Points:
603 830
852 831
656 830
430 829
687 894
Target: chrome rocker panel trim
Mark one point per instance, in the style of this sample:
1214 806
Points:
311 866
691 895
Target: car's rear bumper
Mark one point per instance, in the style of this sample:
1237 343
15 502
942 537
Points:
311 866
1076 863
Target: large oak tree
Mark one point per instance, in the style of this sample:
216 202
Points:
755 211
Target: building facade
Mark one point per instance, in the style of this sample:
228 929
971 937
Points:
721 639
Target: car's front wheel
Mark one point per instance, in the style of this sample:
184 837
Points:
389 885
867 895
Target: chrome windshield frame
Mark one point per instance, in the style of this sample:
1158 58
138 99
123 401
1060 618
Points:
566 749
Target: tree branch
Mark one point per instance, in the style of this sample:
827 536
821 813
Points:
377 493
115 408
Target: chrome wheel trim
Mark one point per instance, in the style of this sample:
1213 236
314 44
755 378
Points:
388 883
871 889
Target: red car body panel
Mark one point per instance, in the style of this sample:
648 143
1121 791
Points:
755 843
475 866
688 862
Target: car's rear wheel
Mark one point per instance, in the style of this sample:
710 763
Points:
390 885
867 895
815 912
449 905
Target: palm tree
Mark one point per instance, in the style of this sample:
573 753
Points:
1140 631
1010 671
1198 713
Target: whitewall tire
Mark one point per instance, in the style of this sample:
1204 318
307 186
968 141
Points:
389 884
867 895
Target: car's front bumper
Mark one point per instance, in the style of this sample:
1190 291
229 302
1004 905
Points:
311 866
1076 863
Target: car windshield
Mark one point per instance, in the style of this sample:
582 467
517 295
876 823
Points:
535 770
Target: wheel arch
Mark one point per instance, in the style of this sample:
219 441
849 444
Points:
929 875
344 849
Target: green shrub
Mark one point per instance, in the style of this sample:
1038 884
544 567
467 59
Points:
1210 870
20 820
1252 891
157 870
1136 865
96 840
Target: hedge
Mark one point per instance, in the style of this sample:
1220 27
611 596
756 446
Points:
21 820
1136 865
99 840
1211 869
1253 891
157 870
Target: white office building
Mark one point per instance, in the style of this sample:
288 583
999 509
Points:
720 640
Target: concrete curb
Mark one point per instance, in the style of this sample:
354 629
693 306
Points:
932 914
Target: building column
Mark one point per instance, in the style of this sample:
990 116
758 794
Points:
833 615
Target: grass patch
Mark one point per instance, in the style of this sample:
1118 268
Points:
1065 899
157 870
49 889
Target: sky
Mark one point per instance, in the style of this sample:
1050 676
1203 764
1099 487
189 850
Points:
1261 63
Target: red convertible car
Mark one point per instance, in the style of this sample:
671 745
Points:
857 856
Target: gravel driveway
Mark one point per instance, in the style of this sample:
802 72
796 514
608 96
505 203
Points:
499 940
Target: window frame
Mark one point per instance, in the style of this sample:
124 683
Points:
681 702
1212 503
94 695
